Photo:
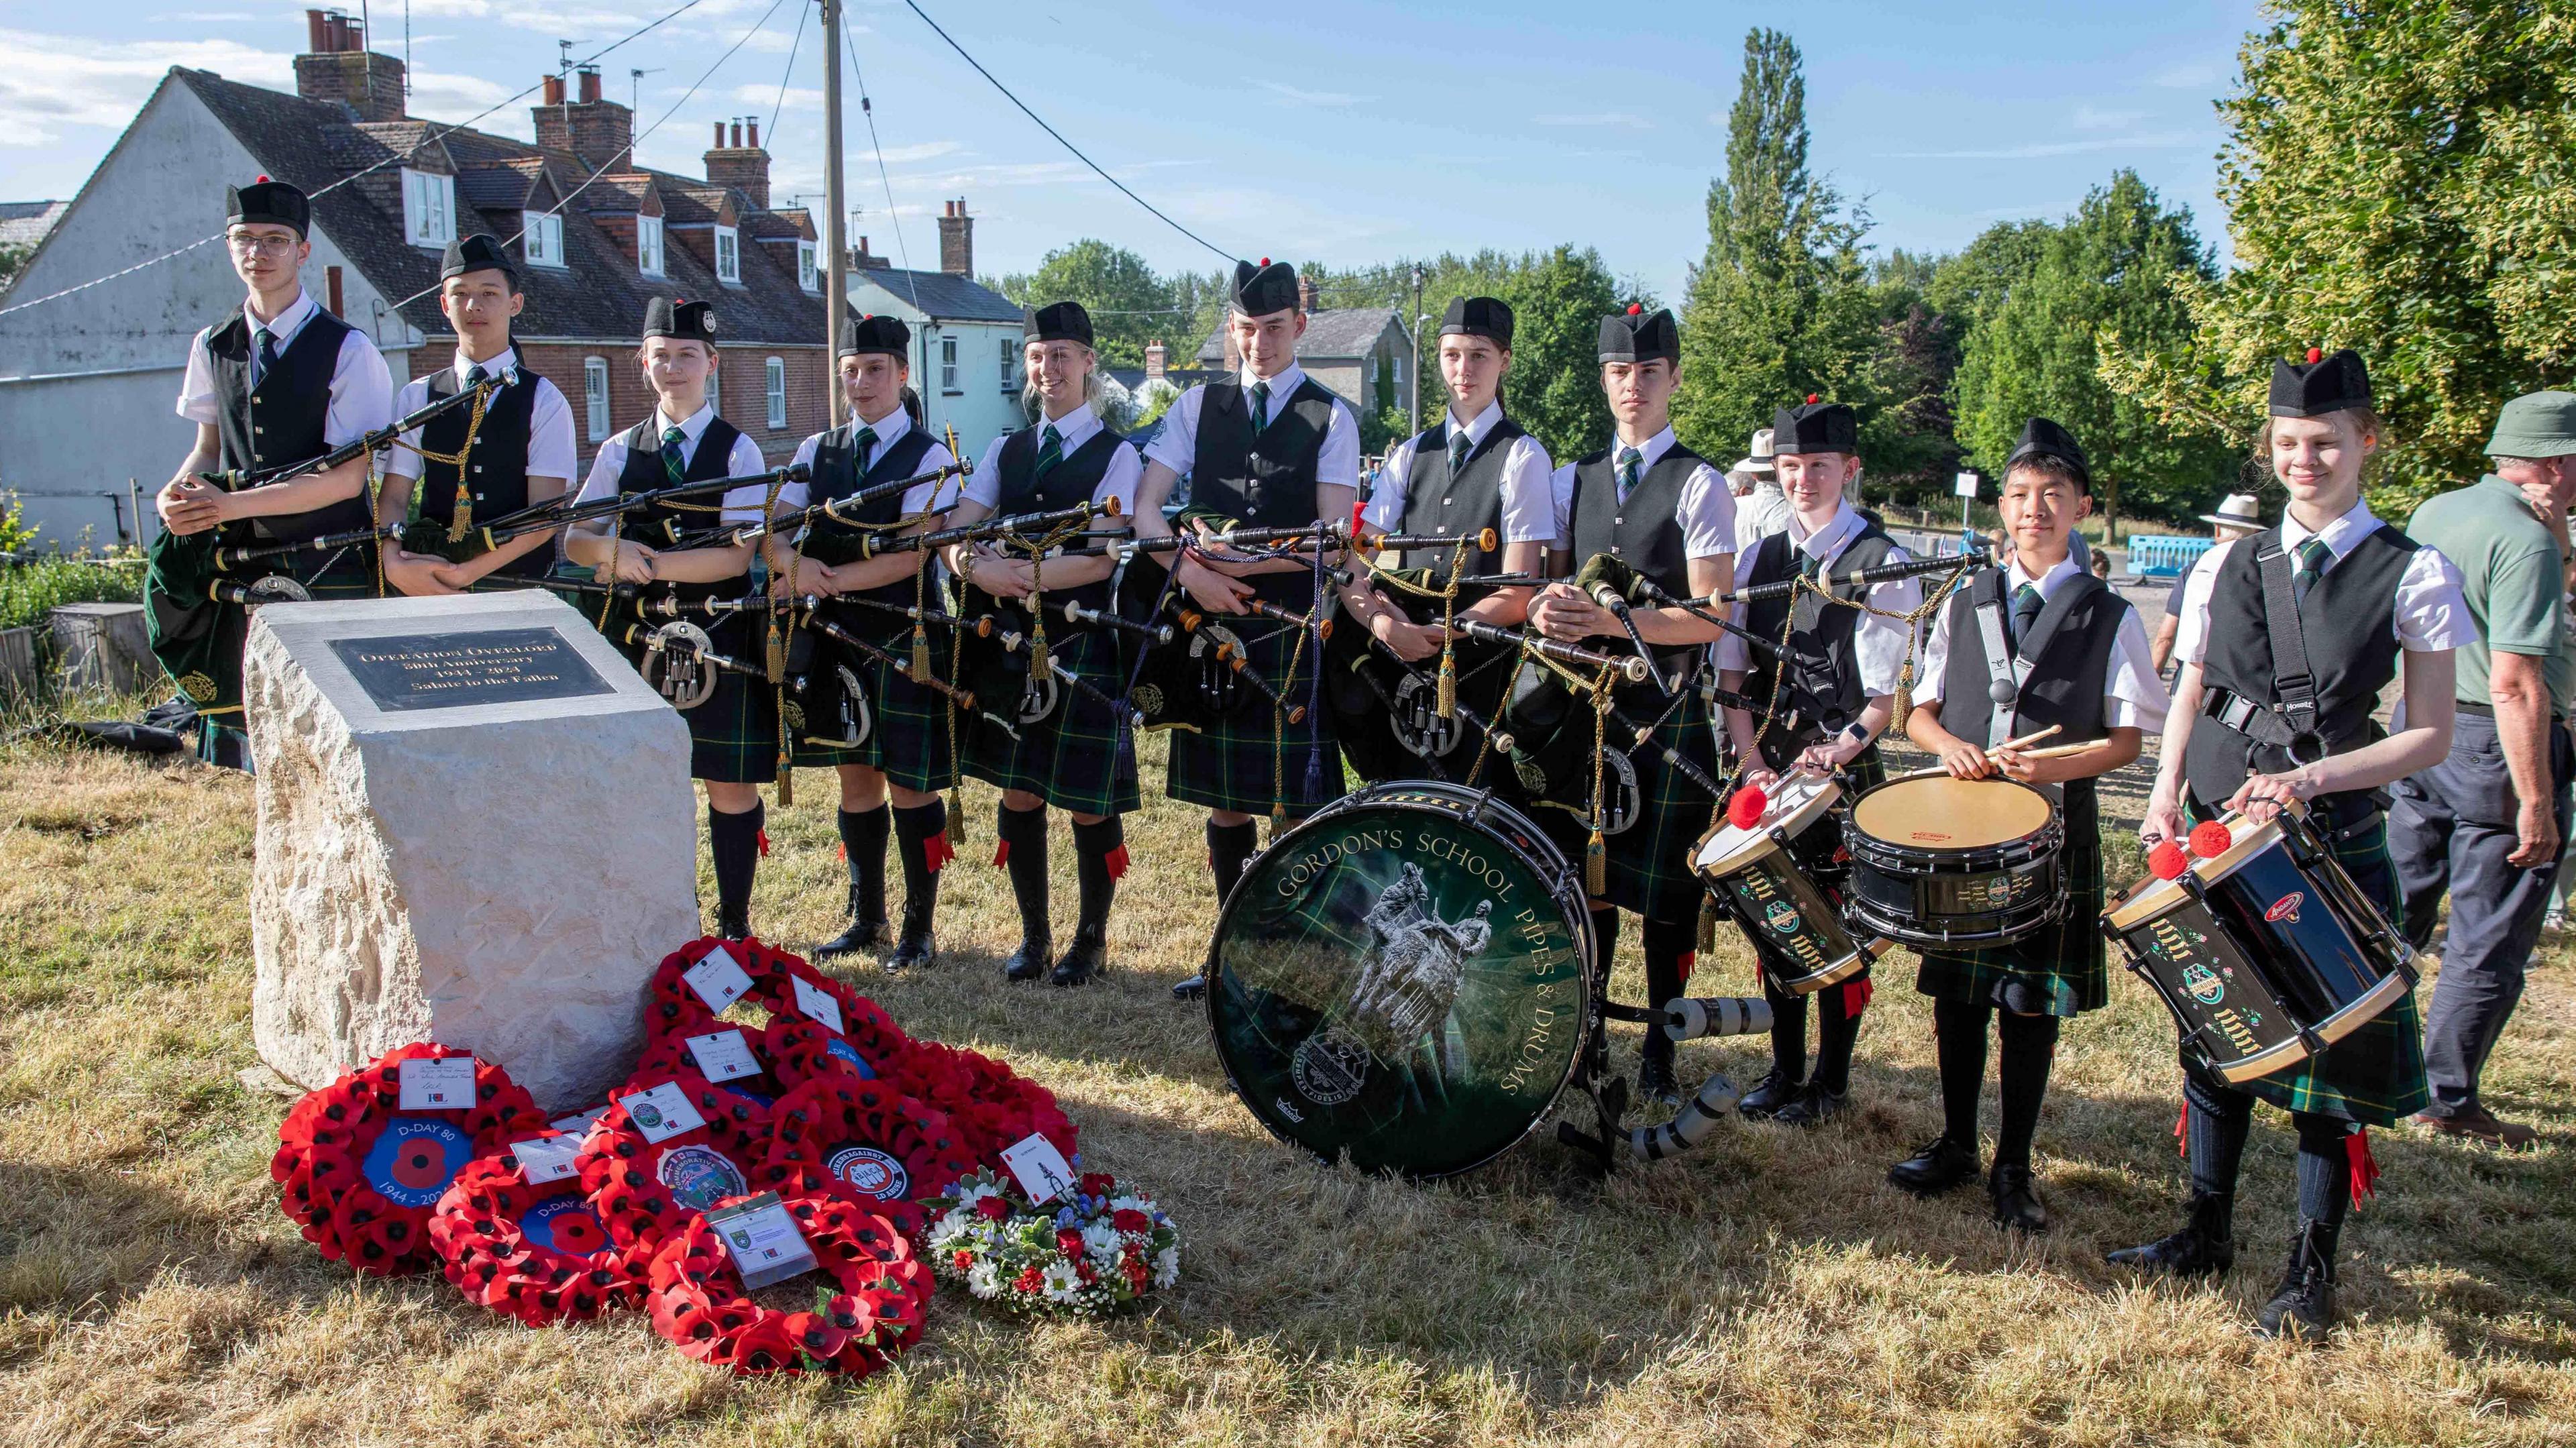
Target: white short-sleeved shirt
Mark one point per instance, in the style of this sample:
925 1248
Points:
2431 613
1529 499
1072 431
741 505
362 387
552 452
947 493
1706 510
2132 696
1176 446
1879 643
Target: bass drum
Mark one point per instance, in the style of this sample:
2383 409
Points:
1400 979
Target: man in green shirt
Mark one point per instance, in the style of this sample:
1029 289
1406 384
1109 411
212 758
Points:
2489 822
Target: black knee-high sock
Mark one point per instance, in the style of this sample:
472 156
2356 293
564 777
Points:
1788 1031
863 841
2325 1173
734 840
2029 1048
1667 945
1099 858
1229 846
1023 848
2215 1123
1838 1030
1959 1038
921 832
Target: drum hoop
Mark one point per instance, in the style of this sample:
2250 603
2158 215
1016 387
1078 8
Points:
2156 897
2053 823
1803 818
1567 890
2046 842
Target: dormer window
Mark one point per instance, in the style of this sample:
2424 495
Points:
648 245
541 237
728 255
429 208
808 275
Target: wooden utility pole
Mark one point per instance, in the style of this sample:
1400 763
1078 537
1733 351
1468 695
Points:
836 275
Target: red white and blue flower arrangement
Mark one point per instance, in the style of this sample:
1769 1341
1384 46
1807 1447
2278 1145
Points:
1096 1252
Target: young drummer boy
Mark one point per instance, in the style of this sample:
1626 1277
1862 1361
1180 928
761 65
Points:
2252 730
522 451
733 736
906 752
2034 643
1826 700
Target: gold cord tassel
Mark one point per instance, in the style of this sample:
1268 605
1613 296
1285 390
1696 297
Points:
1707 924
1448 696
920 651
1596 863
777 660
786 756
956 816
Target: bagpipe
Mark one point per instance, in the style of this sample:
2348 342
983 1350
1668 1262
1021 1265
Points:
834 509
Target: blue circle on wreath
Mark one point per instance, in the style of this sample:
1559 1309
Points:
415 1159
563 1224
850 1053
698 1177
746 1093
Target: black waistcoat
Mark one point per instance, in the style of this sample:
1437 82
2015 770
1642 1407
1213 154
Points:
1266 481
1435 501
2348 622
1644 532
1070 483
2069 647
1823 665
282 423
644 474
498 466
837 475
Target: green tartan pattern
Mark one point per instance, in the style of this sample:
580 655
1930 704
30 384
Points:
2064 963
1227 764
1650 861
910 740
828 652
1074 758
733 736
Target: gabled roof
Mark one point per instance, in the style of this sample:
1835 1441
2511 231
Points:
1334 335
599 296
24 223
943 295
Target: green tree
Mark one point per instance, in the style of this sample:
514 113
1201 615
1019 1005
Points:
2111 267
1780 305
2397 181
12 259
1129 305
1554 390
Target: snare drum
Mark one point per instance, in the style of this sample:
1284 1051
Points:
1946 862
2266 954
1800 933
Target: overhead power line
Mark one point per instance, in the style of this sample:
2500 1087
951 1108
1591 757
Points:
867 108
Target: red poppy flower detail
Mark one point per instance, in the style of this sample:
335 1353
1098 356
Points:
537 1253
699 1305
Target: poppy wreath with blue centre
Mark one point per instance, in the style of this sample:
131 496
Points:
539 1252
642 1190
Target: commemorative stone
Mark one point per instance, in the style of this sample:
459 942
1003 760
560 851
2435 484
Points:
475 827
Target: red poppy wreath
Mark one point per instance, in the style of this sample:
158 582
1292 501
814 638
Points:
536 1252
871 1310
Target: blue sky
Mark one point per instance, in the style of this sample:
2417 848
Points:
1329 129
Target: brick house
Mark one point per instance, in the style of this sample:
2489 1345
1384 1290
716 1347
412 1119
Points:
1346 349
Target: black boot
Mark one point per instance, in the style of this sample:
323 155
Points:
2304 1306
863 845
1023 851
1815 1105
2016 1198
1935 1167
1229 850
734 842
1100 859
1655 1075
921 838
2205 1247
1775 1090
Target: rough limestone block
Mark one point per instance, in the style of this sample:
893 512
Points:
497 876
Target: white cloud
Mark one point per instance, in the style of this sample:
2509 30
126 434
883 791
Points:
438 95
2161 140
1626 119
1314 97
798 97
51 81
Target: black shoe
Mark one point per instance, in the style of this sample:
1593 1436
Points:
1935 1167
1768 1095
2304 1306
2016 1198
1195 988
1814 1105
1655 1083
1082 959
864 933
1030 960
913 950
2205 1247
733 925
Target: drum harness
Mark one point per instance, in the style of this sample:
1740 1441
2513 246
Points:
2289 725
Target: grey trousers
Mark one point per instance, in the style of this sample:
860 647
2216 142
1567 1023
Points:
2451 827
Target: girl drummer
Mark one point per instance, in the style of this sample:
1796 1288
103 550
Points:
2034 643
2251 731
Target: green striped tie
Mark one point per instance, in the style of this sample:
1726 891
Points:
1458 446
674 466
2313 556
1260 406
1050 451
1629 458
860 443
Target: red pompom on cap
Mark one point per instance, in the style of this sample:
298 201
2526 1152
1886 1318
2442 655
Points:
1636 308
2168 861
1811 399
263 180
2316 355
2210 839
1744 811
1265 261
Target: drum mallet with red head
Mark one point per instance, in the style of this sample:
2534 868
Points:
1690 1126
1687 1018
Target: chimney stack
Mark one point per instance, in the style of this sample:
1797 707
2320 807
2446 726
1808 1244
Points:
957 240
554 90
594 129
339 69
1310 297
745 168
1154 358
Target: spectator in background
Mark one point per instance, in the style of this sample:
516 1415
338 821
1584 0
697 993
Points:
2238 517
1763 509
2487 823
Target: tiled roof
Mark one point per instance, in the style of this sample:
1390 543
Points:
24 223
1337 334
943 295
599 295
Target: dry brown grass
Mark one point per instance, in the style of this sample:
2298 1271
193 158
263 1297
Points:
1769 1290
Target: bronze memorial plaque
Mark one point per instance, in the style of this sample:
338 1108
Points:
406 672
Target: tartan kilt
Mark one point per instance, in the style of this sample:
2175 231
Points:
2060 969
733 736
1231 763
910 740
1077 758
1650 861
348 573
2375 1076
829 652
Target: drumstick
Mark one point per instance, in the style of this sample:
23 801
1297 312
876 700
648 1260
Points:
2029 739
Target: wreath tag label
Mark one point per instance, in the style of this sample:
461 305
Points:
579 1122
763 1241
719 979
444 1083
723 1056
662 1112
1042 1170
819 1008
545 1159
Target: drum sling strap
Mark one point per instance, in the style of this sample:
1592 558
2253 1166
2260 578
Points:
2286 724
2005 673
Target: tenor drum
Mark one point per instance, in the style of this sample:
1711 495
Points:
1400 979
1755 871
2266 953
1945 862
